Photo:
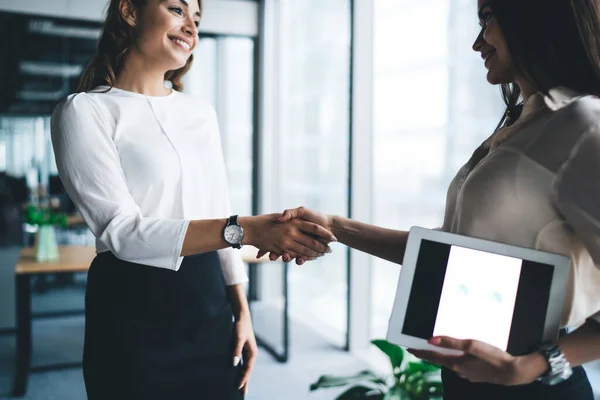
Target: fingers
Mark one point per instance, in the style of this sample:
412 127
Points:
313 244
237 350
286 257
289 214
250 359
316 230
296 249
476 348
260 254
434 357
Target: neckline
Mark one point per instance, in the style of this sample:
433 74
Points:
130 93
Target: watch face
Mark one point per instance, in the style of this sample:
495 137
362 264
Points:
234 234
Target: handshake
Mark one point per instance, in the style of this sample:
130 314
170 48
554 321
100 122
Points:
300 234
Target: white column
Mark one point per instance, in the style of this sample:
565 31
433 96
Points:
270 277
359 329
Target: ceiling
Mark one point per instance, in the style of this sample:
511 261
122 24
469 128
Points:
41 60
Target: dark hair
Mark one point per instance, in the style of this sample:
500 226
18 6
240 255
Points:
553 43
114 43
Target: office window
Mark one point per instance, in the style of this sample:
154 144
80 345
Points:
223 74
312 150
432 108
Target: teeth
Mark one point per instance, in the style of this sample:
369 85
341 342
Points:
182 43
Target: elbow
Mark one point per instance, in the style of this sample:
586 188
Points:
121 236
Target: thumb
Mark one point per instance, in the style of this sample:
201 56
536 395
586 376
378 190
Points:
287 215
237 352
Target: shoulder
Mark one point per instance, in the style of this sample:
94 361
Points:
584 111
583 162
77 105
82 112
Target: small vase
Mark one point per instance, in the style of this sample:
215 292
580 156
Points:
46 247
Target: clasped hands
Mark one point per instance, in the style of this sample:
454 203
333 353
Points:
300 234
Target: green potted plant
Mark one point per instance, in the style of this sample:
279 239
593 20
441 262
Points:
411 378
45 218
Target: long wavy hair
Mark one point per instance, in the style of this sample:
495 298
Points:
115 41
553 43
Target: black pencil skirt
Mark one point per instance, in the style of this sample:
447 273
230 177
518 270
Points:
153 333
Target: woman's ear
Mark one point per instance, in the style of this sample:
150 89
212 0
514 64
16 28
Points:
127 12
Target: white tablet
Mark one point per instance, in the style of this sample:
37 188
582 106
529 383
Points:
467 288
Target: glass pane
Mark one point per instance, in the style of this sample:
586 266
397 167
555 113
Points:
222 74
235 111
313 146
201 79
432 108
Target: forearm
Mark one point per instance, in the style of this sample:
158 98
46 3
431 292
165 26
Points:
239 302
206 235
380 242
203 236
580 347
583 345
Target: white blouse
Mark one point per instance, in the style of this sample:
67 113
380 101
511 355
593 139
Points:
536 184
139 168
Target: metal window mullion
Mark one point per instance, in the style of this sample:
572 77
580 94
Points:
361 170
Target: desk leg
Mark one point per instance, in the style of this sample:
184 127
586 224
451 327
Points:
23 359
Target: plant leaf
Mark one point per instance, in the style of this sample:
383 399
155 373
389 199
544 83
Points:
420 366
434 389
394 352
396 393
360 393
328 381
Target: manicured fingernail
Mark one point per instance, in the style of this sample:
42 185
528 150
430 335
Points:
236 361
333 239
241 386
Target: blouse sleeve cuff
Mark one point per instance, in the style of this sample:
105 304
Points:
177 257
234 270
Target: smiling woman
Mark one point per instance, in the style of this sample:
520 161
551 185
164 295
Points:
166 311
150 31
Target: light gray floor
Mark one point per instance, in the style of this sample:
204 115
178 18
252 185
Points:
61 340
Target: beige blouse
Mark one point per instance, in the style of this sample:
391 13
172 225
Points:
536 184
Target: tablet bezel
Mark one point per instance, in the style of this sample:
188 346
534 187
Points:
560 276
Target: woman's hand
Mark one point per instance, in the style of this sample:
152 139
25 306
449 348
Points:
481 362
245 347
324 220
295 237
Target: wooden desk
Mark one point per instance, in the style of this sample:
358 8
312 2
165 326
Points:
72 259
79 258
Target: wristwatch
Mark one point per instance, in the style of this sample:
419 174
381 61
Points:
233 232
560 370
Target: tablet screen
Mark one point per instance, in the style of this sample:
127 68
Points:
472 294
